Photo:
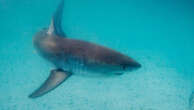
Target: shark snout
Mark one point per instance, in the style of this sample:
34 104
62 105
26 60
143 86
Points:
130 65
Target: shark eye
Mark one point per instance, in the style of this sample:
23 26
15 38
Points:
124 67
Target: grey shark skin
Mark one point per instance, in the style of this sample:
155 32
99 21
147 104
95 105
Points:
53 45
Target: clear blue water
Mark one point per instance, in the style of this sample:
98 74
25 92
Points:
157 33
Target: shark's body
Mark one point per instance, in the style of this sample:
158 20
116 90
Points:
69 54
63 52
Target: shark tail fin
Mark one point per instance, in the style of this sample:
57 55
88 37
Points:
55 26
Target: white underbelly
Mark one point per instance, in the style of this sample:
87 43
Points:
79 67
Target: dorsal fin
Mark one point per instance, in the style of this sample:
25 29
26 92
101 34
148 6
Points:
55 26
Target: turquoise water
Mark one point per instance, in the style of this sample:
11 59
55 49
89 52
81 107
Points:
157 33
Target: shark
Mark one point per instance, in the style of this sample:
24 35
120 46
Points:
64 53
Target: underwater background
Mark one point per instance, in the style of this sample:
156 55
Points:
157 33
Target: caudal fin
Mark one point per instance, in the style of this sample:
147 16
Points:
55 26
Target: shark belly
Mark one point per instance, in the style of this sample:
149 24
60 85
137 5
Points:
79 65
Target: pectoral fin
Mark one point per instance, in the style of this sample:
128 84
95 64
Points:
55 78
